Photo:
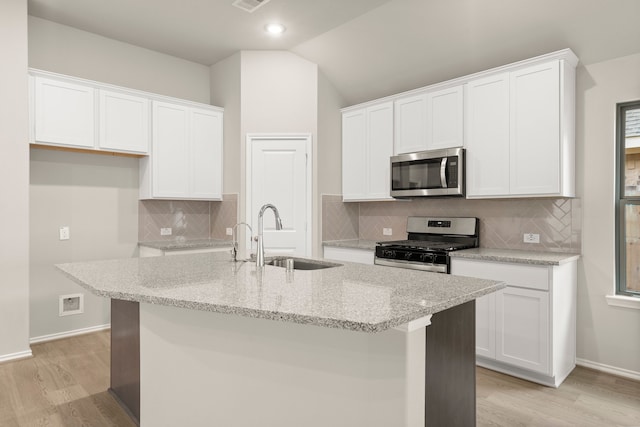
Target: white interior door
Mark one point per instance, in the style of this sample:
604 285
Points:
279 175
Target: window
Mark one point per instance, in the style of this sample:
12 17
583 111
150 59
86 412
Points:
628 199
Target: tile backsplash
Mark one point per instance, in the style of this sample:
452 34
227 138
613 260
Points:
503 222
187 219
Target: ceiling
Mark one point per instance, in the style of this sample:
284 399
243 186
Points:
366 48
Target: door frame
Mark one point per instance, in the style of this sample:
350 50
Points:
303 138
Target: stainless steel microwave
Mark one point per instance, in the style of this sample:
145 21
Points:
437 173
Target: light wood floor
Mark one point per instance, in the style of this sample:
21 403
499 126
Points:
65 383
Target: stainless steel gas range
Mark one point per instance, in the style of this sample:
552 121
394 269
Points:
428 243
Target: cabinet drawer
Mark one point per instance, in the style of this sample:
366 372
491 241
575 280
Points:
516 275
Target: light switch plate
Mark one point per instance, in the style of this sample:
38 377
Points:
165 231
229 231
387 231
65 233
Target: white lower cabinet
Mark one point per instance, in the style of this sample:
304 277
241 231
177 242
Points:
528 329
361 256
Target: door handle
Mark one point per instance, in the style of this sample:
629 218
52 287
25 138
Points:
443 172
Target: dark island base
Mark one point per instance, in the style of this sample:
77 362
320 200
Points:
450 395
125 356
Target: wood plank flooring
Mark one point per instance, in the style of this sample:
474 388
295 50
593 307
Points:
65 385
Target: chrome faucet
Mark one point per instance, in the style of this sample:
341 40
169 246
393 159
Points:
234 251
260 255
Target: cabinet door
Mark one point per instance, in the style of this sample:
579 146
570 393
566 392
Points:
410 119
170 150
485 305
445 112
486 326
522 328
64 113
206 154
487 136
535 130
354 157
379 151
124 122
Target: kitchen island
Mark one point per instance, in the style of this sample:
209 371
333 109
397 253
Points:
224 343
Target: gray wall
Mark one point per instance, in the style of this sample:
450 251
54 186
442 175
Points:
225 92
606 335
97 196
67 50
328 153
14 181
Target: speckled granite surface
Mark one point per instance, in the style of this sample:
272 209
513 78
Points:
513 256
353 244
486 254
352 296
171 245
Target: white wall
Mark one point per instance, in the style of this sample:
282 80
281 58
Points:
14 182
97 196
606 335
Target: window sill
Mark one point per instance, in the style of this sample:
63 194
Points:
623 301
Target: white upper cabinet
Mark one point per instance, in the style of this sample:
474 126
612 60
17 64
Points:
535 130
354 146
367 145
64 113
206 154
445 118
186 154
77 113
487 142
124 122
410 124
429 120
516 122
520 132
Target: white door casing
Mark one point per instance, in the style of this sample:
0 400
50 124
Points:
279 172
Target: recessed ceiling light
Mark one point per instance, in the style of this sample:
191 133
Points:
274 29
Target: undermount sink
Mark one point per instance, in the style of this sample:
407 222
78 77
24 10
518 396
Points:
302 264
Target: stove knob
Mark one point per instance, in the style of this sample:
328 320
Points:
388 253
407 255
427 258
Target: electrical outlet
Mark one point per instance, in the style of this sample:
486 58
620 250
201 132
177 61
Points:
229 231
165 231
387 231
65 233
531 238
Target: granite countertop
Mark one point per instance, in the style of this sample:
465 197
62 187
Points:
181 244
485 254
350 296
352 243
514 256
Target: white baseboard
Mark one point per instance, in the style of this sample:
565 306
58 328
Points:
15 356
626 373
68 334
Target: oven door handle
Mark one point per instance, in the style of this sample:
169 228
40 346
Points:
443 172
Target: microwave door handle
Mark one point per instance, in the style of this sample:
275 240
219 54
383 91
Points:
443 172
